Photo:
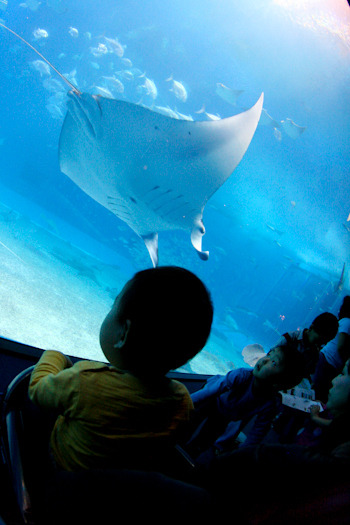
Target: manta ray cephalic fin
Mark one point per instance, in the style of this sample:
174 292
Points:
196 239
151 242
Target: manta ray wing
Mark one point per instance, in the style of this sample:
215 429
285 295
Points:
154 172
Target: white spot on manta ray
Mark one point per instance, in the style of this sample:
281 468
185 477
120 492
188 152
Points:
154 172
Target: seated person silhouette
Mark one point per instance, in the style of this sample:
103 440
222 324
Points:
310 340
226 403
127 414
334 355
288 483
309 343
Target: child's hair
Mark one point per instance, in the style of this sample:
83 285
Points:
171 313
326 325
293 366
345 308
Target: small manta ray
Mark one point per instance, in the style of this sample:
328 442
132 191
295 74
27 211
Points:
292 129
228 94
154 172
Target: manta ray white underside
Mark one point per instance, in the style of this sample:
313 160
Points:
154 172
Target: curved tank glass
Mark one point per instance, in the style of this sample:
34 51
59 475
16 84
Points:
277 230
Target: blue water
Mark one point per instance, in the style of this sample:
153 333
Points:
277 230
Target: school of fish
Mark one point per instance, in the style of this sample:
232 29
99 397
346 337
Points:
101 67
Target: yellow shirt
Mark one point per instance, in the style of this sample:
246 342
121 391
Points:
108 418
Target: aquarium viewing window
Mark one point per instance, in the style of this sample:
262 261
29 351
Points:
149 153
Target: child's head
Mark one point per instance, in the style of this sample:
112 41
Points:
160 320
339 394
323 329
345 308
280 369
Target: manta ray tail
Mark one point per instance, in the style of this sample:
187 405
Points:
151 242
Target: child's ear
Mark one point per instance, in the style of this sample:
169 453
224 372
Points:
124 336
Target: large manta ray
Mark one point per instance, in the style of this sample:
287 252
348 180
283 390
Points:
154 172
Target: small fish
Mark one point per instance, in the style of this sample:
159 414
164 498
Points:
58 99
114 83
181 116
30 4
228 94
54 111
73 32
165 110
202 110
127 62
40 33
149 88
100 50
273 229
178 89
53 85
210 116
246 311
71 77
41 67
114 46
99 90
126 75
